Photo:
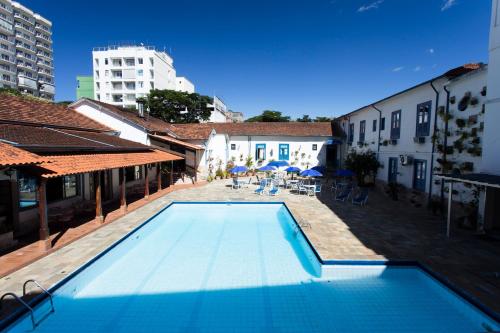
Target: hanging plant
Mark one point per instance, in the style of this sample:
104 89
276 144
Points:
474 101
459 145
447 117
473 132
475 151
467 166
440 148
483 91
449 150
453 99
460 122
464 102
472 120
476 141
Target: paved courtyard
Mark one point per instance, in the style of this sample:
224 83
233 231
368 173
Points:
384 229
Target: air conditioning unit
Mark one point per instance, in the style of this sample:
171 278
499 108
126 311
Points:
394 142
406 159
419 139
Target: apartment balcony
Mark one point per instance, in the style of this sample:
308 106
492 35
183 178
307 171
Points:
6 27
43 46
45 65
21 36
42 55
41 37
26 82
7 60
25 48
19 26
41 27
47 88
5 9
21 18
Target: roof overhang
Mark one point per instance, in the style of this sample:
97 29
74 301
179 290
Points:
480 179
62 165
169 139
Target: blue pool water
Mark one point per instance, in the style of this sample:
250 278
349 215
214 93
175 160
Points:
244 268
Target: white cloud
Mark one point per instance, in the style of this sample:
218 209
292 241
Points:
373 5
417 69
448 4
431 51
398 69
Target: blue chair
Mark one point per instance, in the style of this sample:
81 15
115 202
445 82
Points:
275 189
261 188
236 185
317 189
344 194
361 198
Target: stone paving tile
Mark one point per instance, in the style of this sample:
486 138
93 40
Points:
384 229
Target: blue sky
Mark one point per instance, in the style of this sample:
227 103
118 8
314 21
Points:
316 57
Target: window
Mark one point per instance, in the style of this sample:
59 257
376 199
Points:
27 190
374 125
260 151
382 124
396 124
151 74
61 188
106 73
315 147
140 84
133 173
350 138
130 62
233 146
140 61
105 61
151 61
423 118
97 62
362 129
140 72
284 151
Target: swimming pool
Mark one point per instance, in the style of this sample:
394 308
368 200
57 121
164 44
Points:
244 268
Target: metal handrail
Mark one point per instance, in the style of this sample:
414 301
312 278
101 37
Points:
43 289
17 298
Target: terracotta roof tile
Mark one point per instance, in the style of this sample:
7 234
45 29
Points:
297 129
177 142
23 109
81 163
10 156
50 139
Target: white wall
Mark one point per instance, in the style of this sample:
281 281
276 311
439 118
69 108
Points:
183 84
127 130
491 155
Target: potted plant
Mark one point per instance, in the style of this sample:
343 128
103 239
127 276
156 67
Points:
474 101
483 91
453 99
460 122
464 102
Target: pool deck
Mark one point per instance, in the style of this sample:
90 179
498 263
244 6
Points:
384 229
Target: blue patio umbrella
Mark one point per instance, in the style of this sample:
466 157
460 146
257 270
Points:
267 168
319 168
278 164
293 169
311 173
237 169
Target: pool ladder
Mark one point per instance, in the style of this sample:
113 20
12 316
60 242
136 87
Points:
25 305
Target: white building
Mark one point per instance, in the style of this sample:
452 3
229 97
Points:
124 73
407 130
184 85
26 55
220 112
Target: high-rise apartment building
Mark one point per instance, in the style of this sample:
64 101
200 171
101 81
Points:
26 58
124 73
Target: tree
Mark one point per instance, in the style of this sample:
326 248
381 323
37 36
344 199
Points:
362 164
269 116
170 105
305 119
322 119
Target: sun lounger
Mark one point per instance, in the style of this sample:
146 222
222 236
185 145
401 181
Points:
261 188
361 198
344 194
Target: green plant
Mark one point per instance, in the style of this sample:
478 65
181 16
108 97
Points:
460 122
453 99
219 173
474 101
362 164
467 166
249 162
464 102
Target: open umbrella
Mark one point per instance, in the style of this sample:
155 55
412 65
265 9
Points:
267 168
292 169
237 169
344 173
278 164
311 173
319 168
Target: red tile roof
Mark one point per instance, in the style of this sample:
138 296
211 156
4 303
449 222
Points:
297 129
150 123
10 156
81 163
53 139
177 142
30 110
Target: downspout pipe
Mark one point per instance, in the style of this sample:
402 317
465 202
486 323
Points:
379 122
429 199
445 140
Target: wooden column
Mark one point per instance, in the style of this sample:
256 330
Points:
43 216
98 197
158 175
146 181
171 173
123 189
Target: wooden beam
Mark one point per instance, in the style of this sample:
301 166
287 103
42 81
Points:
98 197
146 182
43 216
171 173
123 189
158 175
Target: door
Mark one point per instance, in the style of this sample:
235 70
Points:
283 152
419 173
393 170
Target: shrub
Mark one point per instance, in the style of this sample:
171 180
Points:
362 164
